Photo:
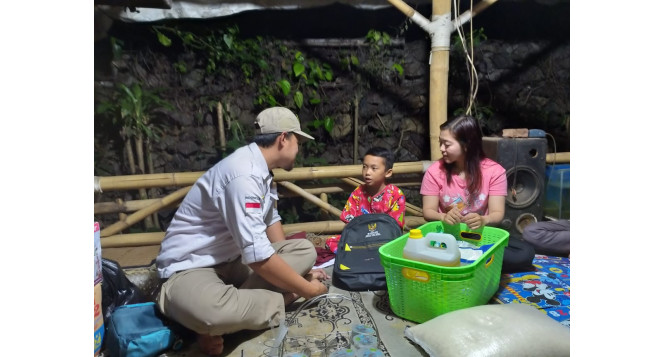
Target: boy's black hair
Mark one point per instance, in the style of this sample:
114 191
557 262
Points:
386 154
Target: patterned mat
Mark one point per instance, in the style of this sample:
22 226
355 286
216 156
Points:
547 288
322 324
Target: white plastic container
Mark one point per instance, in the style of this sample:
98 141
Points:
434 248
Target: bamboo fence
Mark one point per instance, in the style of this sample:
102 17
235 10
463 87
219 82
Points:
132 212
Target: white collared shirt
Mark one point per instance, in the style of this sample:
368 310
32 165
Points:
223 216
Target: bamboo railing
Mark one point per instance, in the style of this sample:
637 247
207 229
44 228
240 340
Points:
112 237
132 212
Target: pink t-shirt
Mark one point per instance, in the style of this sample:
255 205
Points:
494 183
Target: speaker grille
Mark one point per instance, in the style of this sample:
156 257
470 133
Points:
523 186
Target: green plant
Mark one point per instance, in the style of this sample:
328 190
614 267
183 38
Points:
132 108
221 48
305 75
293 84
478 36
326 122
377 39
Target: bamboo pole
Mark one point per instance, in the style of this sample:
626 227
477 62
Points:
324 214
557 158
311 198
356 129
141 214
142 192
135 205
132 240
322 227
438 77
475 9
132 182
440 28
220 122
309 173
150 164
121 215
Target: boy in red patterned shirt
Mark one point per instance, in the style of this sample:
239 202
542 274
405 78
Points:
375 195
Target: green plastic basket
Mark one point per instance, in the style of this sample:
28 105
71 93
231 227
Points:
421 291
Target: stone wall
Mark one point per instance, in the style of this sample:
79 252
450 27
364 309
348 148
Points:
520 84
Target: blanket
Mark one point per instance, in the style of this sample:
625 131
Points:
547 287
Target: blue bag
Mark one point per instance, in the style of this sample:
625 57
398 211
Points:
136 330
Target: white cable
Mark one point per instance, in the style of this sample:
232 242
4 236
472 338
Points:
469 55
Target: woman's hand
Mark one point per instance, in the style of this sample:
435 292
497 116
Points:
453 216
473 220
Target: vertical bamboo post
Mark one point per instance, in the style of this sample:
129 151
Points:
439 28
356 124
438 76
121 216
324 214
220 122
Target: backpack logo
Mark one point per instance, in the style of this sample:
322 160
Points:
372 230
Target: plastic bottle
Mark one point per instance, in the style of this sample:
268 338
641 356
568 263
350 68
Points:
435 248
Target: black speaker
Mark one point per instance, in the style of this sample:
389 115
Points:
524 160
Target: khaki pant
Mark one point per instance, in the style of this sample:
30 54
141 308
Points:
230 297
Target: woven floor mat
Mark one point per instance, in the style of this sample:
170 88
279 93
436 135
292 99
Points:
323 325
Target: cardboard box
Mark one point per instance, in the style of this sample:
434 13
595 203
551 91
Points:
98 273
99 320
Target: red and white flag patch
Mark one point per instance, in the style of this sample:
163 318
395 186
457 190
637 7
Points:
252 204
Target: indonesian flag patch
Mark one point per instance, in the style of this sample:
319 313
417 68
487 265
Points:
252 204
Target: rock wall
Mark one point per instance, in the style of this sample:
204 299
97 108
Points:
520 84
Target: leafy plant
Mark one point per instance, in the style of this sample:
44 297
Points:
306 76
326 122
132 108
478 36
221 48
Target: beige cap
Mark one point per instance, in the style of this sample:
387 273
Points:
279 120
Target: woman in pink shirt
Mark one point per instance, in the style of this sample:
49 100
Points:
464 185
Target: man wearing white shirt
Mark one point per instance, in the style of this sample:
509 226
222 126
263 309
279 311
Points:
225 262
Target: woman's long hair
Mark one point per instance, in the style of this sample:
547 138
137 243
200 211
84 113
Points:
466 130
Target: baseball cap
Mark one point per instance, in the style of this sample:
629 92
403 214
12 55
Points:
279 120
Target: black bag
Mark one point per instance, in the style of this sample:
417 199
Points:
357 264
117 289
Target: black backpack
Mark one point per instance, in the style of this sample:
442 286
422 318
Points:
357 264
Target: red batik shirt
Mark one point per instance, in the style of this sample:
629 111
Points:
390 200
